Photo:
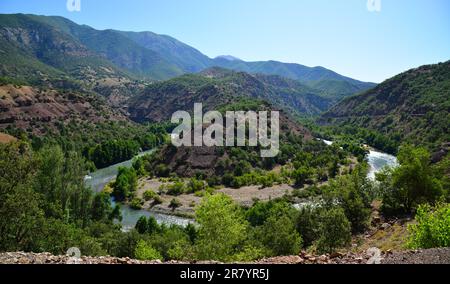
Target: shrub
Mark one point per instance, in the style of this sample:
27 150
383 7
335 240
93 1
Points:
144 251
308 224
176 189
136 204
195 185
413 183
334 230
279 236
174 204
222 228
162 170
157 200
149 195
432 228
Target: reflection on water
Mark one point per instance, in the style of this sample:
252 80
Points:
100 178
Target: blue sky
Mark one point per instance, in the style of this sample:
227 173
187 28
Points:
341 35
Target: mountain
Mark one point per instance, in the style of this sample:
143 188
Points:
186 58
36 48
34 51
412 107
113 46
313 76
215 87
228 57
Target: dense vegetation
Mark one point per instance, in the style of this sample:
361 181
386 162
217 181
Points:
46 207
415 182
432 228
413 106
102 144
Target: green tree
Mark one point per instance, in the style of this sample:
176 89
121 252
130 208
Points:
125 184
351 193
174 204
432 227
413 183
222 228
144 251
334 230
142 225
279 236
308 221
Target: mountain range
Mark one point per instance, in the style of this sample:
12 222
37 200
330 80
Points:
35 48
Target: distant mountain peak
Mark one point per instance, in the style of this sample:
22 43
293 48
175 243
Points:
228 57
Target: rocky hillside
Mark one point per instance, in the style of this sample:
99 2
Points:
413 107
215 87
38 109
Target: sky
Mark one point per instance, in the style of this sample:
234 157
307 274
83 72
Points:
343 35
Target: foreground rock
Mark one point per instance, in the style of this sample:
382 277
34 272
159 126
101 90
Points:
430 256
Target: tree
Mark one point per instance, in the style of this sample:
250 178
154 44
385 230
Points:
351 193
308 224
101 207
432 227
125 184
142 225
144 251
301 175
174 204
279 236
222 228
334 230
413 183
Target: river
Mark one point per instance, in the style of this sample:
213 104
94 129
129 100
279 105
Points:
100 178
376 160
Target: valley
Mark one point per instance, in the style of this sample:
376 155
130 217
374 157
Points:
88 159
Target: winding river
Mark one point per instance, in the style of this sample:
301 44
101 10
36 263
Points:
100 178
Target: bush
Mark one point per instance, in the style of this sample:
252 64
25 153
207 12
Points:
432 229
176 189
351 193
308 224
125 184
301 176
174 204
162 170
149 195
413 183
144 251
195 185
157 200
279 236
136 204
334 230
222 228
